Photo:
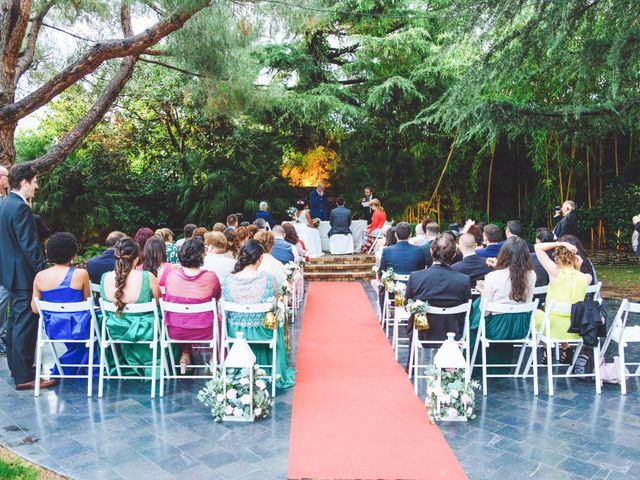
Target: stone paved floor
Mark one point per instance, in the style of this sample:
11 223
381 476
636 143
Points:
574 435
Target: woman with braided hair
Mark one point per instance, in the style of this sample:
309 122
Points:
127 285
248 285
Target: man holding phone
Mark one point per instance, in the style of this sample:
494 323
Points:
568 223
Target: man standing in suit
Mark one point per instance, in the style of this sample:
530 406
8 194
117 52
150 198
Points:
4 293
106 262
20 259
471 264
367 212
568 224
318 203
440 286
340 219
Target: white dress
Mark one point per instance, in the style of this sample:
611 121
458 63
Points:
310 236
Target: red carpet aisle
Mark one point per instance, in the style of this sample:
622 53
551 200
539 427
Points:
355 415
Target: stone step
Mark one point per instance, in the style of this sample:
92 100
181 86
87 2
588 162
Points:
342 259
337 277
339 267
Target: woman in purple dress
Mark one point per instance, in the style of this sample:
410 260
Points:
190 284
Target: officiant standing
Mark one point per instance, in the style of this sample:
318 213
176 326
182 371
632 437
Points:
367 212
318 203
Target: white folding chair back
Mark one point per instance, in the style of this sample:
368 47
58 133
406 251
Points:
377 235
623 335
166 341
544 336
528 341
225 308
42 339
341 244
400 318
386 318
416 343
107 341
540 290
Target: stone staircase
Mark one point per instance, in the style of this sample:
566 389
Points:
340 268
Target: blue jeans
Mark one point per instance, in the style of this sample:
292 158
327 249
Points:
4 304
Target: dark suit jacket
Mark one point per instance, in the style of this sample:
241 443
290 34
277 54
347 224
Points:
542 277
319 205
101 264
568 225
474 266
20 254
403 257
366 211
426 254
441 287
340 220
490 251
267 217
282 251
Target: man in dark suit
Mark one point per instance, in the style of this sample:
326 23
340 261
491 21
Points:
492 240
543 235
106 262
440 286
20 259
471 264
340 219
318 203
366 209
403 257
4 293
568 224
282 250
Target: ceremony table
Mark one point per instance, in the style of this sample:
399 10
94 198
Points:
358 229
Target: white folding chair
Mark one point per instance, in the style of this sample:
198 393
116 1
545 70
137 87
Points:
387 317
623 335
107 341
75 307
544 336
540 290
166 341
341 244
529 341
272 343
416 343
377 235
400 319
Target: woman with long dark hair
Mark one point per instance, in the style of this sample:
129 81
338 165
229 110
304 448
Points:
154 259
511 282
127 285
248 285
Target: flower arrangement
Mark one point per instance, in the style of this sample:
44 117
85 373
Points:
316 222
399 291
285 289
237 401
291 269
388 278
272 317
291 211
449 396
419 310
374 271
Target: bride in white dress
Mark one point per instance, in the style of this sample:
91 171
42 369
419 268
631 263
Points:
309 234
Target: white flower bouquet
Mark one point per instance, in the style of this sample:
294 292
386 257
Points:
290 270
388 279
374 271
450 397
237 401
419 310
291 211
272 317
316 222
399 291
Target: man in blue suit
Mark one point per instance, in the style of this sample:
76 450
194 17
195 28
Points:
403 257
340 219
492 242
318 203
21 258
106 262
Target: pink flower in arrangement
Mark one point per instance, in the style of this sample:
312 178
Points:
228 410
452 413
232 394
465 399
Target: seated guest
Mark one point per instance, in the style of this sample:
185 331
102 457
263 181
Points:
242 235
492 241
282 250
269 263
403 257
586 266
567 284
188 230
190 284
431 231
386 241
248 285
471 264
216 259
291 236
543 235
106 262
440 286
244 224
252 230
154 260
199 232
454 234
513 229
261 224
340 219
232 247
172 250
264 214
62 283
127 285
476 231
511 282
218 227
421 237
377 222
232 222
142 235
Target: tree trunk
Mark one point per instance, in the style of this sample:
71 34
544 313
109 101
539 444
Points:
7 145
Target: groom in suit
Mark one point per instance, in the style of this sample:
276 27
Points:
340 219
20 259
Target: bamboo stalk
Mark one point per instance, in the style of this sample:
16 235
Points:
493 155
573 161
560 181
615 150
444 169
589 189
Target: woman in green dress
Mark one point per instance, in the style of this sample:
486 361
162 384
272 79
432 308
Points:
511 282
248 285
567 285
126 285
